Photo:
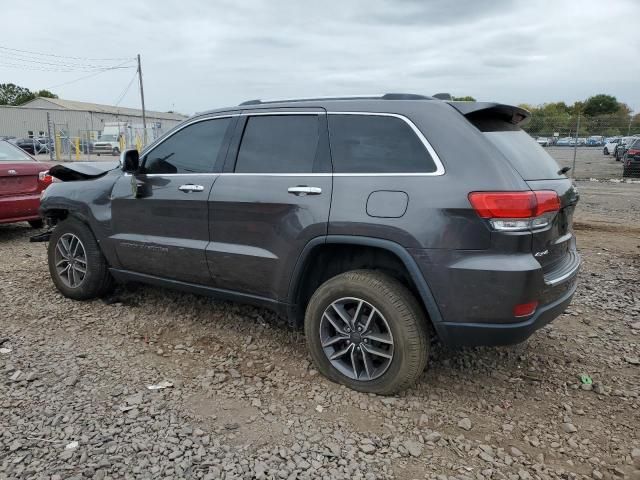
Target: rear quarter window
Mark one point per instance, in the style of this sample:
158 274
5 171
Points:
529 159
376 144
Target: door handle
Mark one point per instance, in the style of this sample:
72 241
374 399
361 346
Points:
302 190
191 188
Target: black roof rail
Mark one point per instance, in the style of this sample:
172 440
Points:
443 96
384 96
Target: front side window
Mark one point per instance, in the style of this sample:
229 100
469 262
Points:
278 144
376 144
193 149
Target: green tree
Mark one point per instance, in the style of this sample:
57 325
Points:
467 98
12 94
600 105
45 94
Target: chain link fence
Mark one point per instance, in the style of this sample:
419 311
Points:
605 148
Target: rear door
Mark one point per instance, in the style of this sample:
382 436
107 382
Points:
272 199
163 230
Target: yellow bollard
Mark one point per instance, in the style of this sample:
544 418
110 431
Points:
77 149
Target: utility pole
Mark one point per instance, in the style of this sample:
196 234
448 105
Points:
575 149
144 115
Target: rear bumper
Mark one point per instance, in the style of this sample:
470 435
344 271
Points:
493 334
19 208
476 292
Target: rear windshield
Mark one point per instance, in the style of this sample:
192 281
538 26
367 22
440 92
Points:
525 155
9 153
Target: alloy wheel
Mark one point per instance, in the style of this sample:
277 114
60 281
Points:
356 339
71 260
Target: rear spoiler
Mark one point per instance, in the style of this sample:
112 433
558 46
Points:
494 111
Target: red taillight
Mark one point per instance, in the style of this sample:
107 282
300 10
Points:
633 152
514 204
45 179
525 309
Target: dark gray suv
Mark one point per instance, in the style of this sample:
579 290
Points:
374 222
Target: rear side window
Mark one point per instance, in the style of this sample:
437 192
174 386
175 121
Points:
193 149
524 154
278 144
376 144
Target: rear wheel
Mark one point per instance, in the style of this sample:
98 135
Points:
76 264
365 330
115 151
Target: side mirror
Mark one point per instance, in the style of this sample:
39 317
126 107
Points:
130 161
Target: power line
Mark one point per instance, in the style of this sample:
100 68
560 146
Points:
124 92
66 56
89 76
20 58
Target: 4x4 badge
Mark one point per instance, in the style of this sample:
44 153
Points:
541 254
12 172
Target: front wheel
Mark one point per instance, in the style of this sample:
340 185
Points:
76 264
605 151
365 330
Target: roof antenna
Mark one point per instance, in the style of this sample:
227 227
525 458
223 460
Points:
443 96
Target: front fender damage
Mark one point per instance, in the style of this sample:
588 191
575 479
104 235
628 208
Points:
82 170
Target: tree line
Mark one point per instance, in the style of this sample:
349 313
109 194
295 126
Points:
599 115
12 94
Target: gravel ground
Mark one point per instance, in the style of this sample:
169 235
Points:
246 403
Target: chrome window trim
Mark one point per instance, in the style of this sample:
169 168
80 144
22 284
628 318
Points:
440 170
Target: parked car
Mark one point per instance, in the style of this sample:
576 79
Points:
594 141
107 144
566 141
29 145
621 147
543 141
631 159
360 219
22 180
610 145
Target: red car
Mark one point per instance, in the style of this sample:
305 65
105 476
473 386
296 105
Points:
22 180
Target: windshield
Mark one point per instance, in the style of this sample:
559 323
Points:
108 138
9 153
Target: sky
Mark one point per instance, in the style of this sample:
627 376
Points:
209 54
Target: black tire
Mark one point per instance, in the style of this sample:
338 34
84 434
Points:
605 151
115 151
404 316
36 223
626 173
97 280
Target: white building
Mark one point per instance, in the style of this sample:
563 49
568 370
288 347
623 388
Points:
76 119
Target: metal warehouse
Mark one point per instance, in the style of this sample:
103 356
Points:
76 119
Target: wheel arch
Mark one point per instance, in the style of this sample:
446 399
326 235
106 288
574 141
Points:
397 251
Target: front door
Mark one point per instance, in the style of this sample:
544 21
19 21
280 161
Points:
161 227
273 197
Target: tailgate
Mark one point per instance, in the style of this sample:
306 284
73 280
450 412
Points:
553 246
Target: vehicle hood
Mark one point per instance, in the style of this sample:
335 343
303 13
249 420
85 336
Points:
82 170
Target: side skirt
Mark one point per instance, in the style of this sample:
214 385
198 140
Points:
217 293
